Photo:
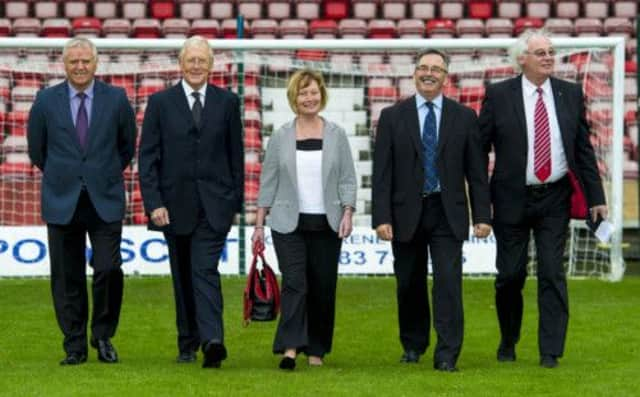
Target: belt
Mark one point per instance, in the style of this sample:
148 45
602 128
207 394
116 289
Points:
430 195
545 187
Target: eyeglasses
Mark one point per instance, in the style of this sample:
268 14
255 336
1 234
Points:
542 53
432 69
197 61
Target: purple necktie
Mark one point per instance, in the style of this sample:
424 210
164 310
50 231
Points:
82 122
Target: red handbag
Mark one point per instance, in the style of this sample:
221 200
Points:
579 208
262 293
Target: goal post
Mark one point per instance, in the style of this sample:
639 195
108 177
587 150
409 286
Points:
376 72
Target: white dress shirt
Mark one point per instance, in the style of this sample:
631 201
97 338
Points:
188 90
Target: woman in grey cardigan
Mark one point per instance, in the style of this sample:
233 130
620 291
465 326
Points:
308 187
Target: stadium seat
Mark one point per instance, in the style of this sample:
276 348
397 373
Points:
406 87
307 9
341 61
209 28
523 24
294 29
381 29
538 8
566 71
15 144
134 9
511 9
630 88
423 9
470 28
175 28
567 8
402 62
116 28
619 27
499 28
336 9
86 27
371 58
250 9
26 27
364 9
162 9
451 9
394 9
625 8
278 9
146 28
230 29
191 9
221 9
440 28
411 29
588 27
16 9
562 27
46 9
76 9
5 27
264 28
17 122
482 9
632 48
323 28
352 28
596 8
105 9
56 27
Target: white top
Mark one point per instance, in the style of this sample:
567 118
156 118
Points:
188 90
309 174
558 158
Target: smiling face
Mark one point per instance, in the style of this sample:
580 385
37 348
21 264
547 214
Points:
430 75
80 65
309 99
195 64
538 60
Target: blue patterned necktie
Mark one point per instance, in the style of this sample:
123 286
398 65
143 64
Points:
82 121
430 148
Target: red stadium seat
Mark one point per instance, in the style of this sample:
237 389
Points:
56 27
499 27
209 28
559 27
250 9
278 9
336 9
116 28
619 27
104 9
423 9
480 9
451 9
87 27
230 29
509 9
352 28
441 28
523 24
221 9
381 29
470 28
134 9
146 28
325 28
162 9
26 27
191 9
264 28
411 28
307 9
293 29
587 27
364 9
394 9
5 27
175 28
17 122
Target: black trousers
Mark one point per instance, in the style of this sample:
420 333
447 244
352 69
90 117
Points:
196 285
67 252
547 215
308 261
433 236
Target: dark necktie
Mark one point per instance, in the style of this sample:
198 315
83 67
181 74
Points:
82 121
196 110
430 148
541 140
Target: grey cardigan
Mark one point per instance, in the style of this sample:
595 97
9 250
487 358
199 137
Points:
278 181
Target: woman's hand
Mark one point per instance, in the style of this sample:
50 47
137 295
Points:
346 225
257 240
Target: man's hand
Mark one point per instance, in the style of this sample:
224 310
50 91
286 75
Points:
481 230
600 210
160 217
385 231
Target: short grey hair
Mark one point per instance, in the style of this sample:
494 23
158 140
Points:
196 41
522 44
79 42
430 51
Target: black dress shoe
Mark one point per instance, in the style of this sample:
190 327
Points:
74 359
548 361
506 353
214 353
186 357
288 363
445 366
106 352
410 357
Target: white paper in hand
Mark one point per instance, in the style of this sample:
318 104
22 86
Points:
604 231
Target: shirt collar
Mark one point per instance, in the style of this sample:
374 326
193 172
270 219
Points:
188 90
88 91
437 101
529 89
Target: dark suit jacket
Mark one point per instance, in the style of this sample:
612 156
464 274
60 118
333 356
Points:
398 169
66 167
503 125
181 163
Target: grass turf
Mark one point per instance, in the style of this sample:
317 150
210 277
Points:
602 355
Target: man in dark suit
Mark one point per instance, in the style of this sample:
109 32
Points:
536 125
425 147
192 180
81 136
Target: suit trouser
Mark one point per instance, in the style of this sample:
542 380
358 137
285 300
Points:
67 251
308 261
196 285
410 268
547 215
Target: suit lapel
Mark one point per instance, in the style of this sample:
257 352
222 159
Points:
182 105
289 151
67 117
446 125
410 116
209 105
561 109
518 104
328 148
96 115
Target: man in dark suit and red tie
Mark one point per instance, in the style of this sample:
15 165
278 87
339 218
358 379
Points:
536 125
81 136
192 181
426 147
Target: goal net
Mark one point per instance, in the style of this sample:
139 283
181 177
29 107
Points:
363 77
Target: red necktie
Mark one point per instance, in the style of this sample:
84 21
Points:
541 141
